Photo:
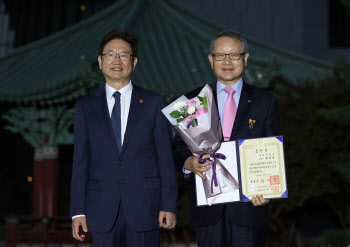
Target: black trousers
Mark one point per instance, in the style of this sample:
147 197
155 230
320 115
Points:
122 235
226 234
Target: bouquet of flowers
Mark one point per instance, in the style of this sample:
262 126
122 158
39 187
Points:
186 113
197 122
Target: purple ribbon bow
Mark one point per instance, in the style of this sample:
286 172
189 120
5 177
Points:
214 156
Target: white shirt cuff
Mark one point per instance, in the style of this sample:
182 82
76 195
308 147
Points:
76 216
184 170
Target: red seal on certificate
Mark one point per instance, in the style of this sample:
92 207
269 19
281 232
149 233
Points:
275 188
274 179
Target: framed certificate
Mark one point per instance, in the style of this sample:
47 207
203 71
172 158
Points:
256 165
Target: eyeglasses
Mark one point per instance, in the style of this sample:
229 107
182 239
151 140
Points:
232 56
124 56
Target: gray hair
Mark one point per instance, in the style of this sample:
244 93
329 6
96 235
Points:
233 35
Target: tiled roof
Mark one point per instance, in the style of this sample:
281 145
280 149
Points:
172 55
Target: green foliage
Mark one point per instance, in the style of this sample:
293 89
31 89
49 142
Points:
342 69
204 101
315 123
179 120
336 238
345 171
338 115
175 114
346 3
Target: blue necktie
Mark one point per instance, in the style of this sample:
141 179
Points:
116 120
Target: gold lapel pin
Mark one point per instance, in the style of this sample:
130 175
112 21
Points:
141 100
249 100
251 123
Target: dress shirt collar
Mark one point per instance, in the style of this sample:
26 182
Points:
123 91
237 86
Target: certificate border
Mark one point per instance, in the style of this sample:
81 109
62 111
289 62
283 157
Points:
281 159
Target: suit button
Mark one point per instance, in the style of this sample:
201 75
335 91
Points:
117 184
120 162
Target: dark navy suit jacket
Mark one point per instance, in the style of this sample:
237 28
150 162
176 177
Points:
256 104
140 180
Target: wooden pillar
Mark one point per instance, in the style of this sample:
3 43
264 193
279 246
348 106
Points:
46 173
11 229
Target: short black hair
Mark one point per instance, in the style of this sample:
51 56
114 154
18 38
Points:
120 34
233 35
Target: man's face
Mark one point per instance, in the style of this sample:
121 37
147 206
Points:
228 71
117 71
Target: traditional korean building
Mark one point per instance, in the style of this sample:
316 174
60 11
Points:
43 79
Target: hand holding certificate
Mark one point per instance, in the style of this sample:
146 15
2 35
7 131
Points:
258 166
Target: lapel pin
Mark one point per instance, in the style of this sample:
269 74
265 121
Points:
141 100
251 123
249 101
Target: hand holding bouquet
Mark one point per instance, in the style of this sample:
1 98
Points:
197 122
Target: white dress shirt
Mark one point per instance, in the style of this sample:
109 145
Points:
125 99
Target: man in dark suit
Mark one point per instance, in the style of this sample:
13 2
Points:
123 185
240 224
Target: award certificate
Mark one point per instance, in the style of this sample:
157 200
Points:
252 167
262 168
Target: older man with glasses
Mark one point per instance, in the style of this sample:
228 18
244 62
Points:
239 224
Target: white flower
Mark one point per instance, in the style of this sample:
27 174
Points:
191 110
179 105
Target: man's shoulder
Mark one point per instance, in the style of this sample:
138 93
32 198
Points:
90 96
147 92
258 92
196 91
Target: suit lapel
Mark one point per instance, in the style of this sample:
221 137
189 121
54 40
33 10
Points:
102 114
134 113
214 89
243 108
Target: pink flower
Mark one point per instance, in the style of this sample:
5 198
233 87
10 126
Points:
188 118
191 103
196 114
201 111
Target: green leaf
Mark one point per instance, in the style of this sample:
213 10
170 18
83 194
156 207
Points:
204 102
175 114
179 120
193 123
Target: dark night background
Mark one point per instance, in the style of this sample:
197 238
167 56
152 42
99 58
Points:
314 119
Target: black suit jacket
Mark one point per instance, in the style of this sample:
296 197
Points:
255 104
142 175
